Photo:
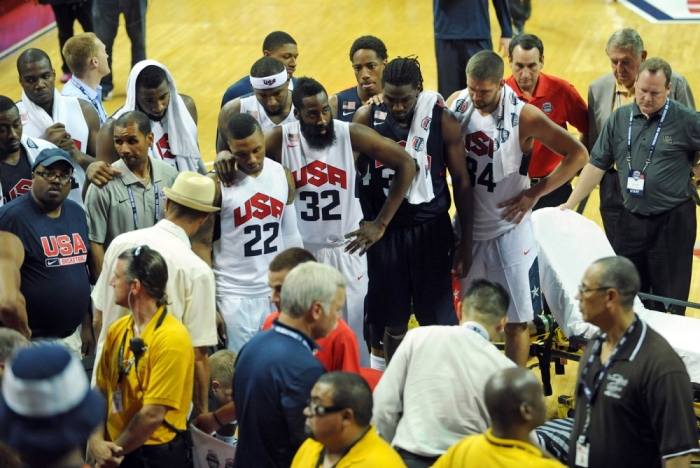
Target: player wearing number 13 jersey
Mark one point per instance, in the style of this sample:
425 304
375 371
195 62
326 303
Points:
257 222
499 132
319 152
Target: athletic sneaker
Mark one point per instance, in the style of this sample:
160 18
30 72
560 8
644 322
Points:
107 95
66 77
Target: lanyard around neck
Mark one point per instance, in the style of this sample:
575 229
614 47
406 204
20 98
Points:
292 334
133 204
120 357
653 143
94 101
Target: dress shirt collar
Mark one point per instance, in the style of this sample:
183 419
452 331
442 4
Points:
478 328
175 230
129 178
92 94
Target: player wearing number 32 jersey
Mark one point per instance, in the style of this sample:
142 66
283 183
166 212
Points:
499 132
257 222
319 152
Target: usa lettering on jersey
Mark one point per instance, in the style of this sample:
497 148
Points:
319 173
259 206
163 146
64 250
23 186
479 144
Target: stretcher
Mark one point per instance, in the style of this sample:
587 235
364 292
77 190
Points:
568 244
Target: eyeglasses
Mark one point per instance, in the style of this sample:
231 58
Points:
584 289
318 410
51 176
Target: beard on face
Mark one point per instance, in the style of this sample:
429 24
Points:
316 140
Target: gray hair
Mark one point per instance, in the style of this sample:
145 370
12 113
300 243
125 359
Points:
308 283
628 39
619 273
655 64
9 341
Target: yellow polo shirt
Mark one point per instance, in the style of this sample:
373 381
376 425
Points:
164 375
371 451
626 96
488 450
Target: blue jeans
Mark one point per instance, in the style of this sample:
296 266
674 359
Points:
106 18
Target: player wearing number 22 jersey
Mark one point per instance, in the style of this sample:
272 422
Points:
257 222
319 152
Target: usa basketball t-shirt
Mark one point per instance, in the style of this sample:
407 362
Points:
54 276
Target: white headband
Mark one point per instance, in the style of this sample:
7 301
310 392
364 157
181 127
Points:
46 397
269 82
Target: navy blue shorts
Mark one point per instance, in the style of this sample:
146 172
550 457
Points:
412 265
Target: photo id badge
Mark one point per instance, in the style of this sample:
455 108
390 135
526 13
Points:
582 449
117 405
635 183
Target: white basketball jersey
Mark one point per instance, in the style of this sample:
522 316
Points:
250 105
251 215
479 143
161 147
325 185
76 127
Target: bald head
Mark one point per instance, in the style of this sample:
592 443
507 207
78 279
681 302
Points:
514 398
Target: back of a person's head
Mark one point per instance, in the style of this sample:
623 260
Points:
486 300
351 391
514 397
221 366
288 259
78 50
308 283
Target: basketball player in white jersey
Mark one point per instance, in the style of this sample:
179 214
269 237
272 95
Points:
257 222
499 132
271 101
67 122
173 119
319 152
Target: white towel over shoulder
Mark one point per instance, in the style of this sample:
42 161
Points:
182 130
36 114
507 155
421 190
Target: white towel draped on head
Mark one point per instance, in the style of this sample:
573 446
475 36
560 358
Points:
182 130
36 114
421 190
507 155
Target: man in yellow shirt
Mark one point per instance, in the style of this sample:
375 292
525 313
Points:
516 405
146 372
338 424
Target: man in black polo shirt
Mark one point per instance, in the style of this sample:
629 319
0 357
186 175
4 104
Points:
657 228
634 403
276 370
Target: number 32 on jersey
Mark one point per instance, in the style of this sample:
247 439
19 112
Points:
480 169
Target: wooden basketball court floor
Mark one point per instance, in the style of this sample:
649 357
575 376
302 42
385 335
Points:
209 44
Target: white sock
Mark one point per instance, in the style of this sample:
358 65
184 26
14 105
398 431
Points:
376 362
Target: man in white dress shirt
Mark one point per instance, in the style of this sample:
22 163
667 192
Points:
432 394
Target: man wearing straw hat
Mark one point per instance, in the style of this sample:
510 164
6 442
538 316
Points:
191 288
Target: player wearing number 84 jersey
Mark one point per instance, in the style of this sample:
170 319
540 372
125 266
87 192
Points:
319 152
499 132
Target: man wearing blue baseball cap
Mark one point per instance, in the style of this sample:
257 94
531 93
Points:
47 410
54 277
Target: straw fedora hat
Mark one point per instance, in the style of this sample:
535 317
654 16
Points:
193 191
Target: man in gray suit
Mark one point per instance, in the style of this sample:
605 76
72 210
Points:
625 49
